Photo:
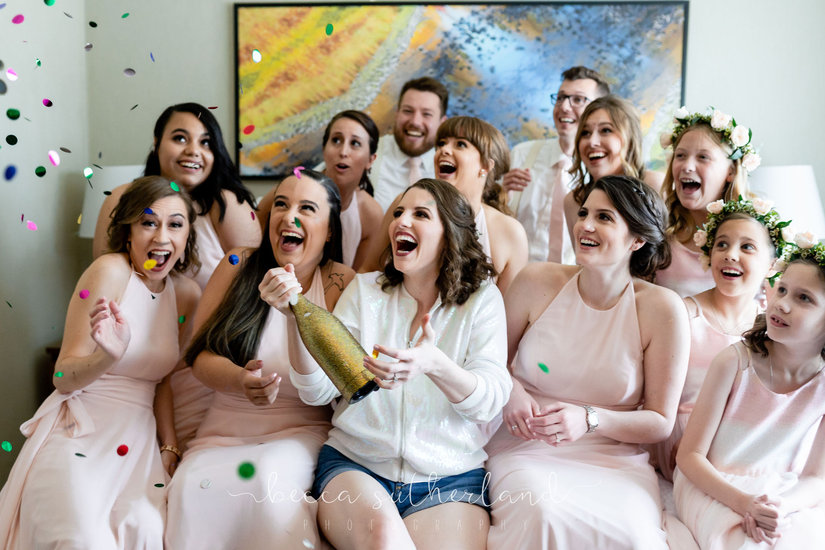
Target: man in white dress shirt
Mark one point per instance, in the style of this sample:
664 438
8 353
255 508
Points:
540 179
407 155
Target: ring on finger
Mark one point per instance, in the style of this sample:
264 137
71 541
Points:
557 436
514 427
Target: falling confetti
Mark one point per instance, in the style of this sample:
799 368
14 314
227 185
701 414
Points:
206 484
80 218
11 74
297 171
182 319
11 170
58 374
40 171
246 470
49 2
134 107
81 455
31 225
213 107
92 24
122 450
252 214
129 71
107 193
69 15
329 29
54 158
308 543
88 173
125 15
13 114
174 186
374 353
233 259
152 57
47 102
158 485
249 129
65 149
11 139
150 264
17 19
2 87
37 62
88 47
83 294
6 446
9 304
99 167
543 367
297 223
147 211
256 56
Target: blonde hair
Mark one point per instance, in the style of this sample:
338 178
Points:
679 218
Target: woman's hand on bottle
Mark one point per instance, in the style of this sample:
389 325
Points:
278 286
260 390
558 423
410 363
518 411
110 331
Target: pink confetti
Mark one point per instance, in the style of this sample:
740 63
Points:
31 225
47 102
11 74
54 158
252 214
83 294
17 19
249 129
297 171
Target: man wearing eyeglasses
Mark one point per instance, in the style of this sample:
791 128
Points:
540 179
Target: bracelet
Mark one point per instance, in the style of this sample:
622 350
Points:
171 449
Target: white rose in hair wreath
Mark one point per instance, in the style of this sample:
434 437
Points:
805 240
719 120
716 206
740 136
680 113
761 206
788 234
751 162
700 238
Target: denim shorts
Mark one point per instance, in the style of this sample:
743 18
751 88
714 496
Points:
469 487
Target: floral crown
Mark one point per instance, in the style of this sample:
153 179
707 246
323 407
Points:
804 246
759 209
737 136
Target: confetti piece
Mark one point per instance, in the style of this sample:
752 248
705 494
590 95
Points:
6 446
3 5
13 114
206 484
147 211
68 15
122 450
150 264
37 62
297 171
256 56
2 88
11 170
54 158
47 102
17 19
152 57
158 485
88 47
40 171
65 149
129 71
174 186
49 2
31 225
543 367
107 193
329 29
11 139
249 129
92 24
9 304
88 173
58 374
297 223
81 455
246 470
134 107
80 218
213 107
83 294
307 543
233 259
374 353
252 214
21 218
11 74
125 15
99 167
153 296
182 319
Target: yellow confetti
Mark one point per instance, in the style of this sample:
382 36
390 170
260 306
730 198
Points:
150 264
80 218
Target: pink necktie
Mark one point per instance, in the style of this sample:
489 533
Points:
415 170
557 227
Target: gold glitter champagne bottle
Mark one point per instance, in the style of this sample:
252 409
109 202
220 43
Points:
334 348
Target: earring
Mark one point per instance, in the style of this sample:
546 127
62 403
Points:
483 173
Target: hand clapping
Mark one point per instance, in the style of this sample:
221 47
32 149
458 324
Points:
110 331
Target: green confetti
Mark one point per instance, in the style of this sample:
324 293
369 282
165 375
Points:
49 2
88 173
297 223
6 446
13 114
543 367
37 60
158 484
80 455
125 15
174 186
40 171
8 304
246 470
58 374
329 29
182 319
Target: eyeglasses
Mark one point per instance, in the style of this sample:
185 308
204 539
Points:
575 100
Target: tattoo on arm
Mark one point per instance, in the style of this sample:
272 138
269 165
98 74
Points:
334 279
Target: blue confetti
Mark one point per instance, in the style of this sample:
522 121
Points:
152 56
11 170
233 259
147 211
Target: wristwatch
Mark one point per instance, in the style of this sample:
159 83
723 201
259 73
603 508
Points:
592 418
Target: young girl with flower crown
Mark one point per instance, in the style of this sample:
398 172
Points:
751 465
711 158
740 244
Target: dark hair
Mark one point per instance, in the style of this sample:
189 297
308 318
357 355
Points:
756 337
580 72
141 194
491 145
223 174
234 328
645 214
372 131
626 120
464 265
427 84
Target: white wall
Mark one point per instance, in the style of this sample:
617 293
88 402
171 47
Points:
756 59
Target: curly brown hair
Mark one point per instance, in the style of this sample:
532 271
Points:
464 265
141 194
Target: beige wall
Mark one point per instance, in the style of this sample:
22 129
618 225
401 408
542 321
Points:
756 59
